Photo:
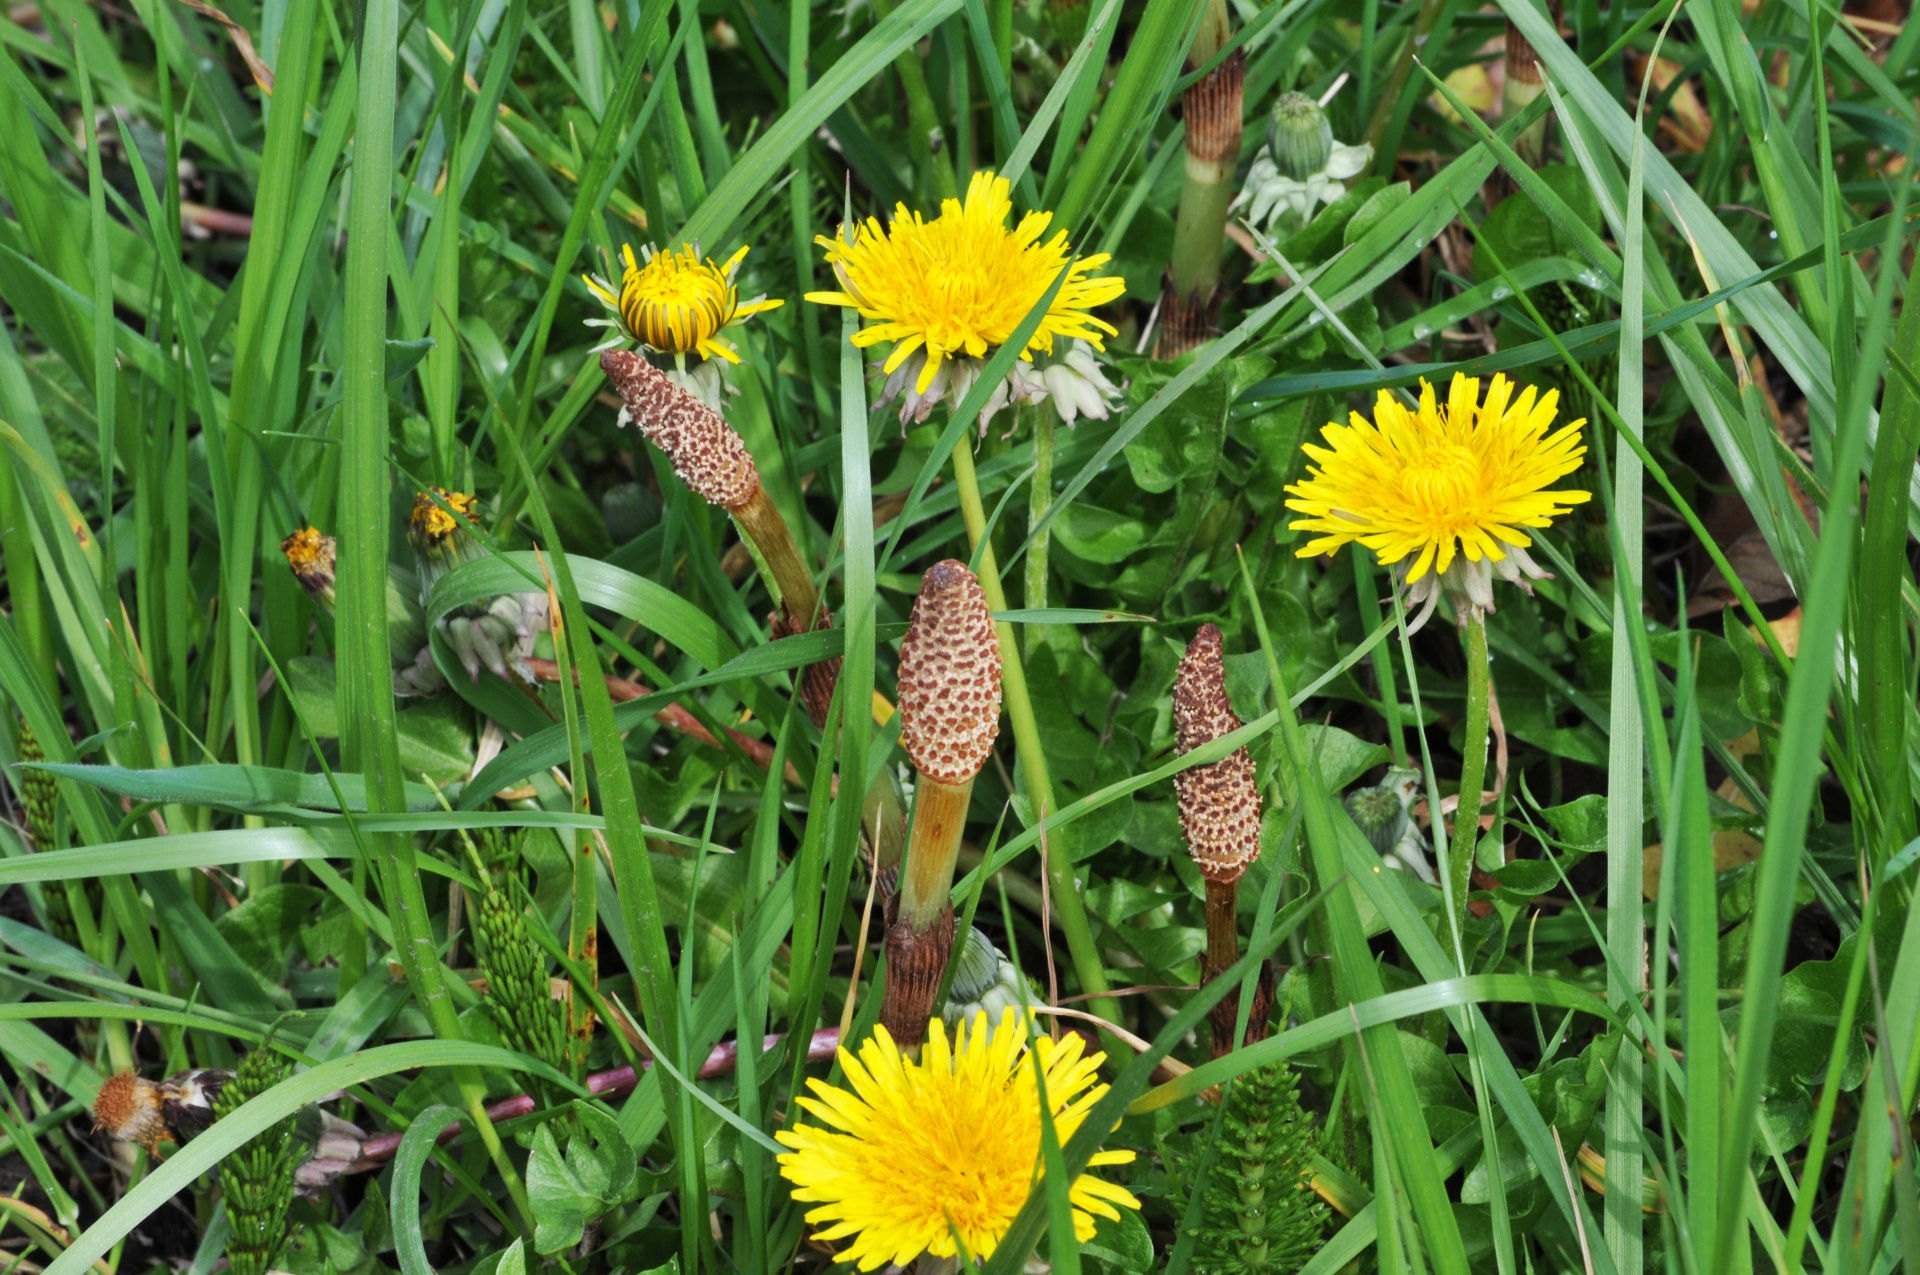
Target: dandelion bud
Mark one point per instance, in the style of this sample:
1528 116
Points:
311 555
949 676
1298 136
1219 803
707 455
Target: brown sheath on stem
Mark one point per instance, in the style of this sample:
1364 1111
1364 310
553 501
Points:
1212 108
916 961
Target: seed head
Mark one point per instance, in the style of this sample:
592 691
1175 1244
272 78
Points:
1219 803
706 453
949 676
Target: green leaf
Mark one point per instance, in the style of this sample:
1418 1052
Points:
570 1188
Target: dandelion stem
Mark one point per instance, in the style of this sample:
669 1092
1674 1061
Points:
1063 890
1039 498
924 138
1473 765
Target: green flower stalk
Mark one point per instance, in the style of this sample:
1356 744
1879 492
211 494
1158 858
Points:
1261 1215
519 994
496 633
310 556
1220 815
949 716
258 1178
1189 296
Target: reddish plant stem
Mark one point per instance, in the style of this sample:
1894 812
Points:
616 1083
673 716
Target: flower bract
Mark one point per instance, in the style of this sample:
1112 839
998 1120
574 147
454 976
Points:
920 1152
1442 492
676 302
959 285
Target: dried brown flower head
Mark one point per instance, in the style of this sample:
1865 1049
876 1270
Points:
707 454
131 1108
1219 803
949 676
128 1106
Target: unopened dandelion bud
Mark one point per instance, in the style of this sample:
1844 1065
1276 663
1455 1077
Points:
949 676
440 532
1298 136
1220 802
257 1180
707 454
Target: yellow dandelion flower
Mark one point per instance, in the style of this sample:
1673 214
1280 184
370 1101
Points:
960 284
677 303
946 1145
1442 493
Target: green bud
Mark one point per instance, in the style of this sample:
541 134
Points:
983 981
1298 136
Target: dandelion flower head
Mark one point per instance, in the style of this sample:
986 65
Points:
958 286
676 302
1441 485
432 523
919 1151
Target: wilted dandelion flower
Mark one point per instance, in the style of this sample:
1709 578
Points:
1441 493
921 1151
948 292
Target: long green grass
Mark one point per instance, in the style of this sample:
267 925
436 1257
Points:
238 301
